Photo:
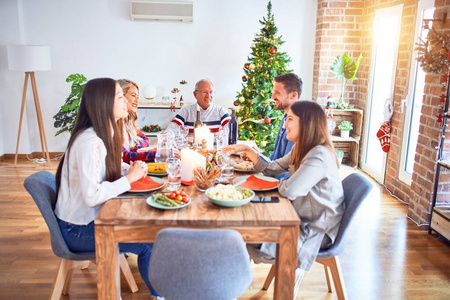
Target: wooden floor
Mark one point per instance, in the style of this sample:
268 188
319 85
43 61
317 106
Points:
387 256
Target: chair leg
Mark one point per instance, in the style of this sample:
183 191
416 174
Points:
269 278
336 272
85 265
328 276
125 267
61 280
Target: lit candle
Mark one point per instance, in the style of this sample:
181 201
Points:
190 160
202 133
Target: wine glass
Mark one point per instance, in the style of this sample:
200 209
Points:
184 131
173 169
221 139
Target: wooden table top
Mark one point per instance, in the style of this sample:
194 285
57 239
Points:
201 212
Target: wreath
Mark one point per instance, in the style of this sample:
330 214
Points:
434 53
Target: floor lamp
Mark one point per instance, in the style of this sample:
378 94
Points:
30 59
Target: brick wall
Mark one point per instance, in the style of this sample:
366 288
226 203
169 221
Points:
347 26
338 31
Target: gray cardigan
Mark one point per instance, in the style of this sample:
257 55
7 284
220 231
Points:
315 191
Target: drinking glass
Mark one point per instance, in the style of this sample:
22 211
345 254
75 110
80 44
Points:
221 139
184 131
173 169
165 144
226 165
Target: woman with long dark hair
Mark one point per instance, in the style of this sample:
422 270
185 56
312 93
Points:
314 186
91 169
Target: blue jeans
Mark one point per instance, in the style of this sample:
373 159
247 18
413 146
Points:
81 238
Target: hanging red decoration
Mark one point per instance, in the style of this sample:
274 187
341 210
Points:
266 120
272 51
439 118
245 66
443 98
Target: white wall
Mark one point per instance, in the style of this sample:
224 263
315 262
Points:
98 39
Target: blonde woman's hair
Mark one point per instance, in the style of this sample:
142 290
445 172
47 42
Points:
313 131
131 138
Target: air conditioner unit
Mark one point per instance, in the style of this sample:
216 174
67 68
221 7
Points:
161 10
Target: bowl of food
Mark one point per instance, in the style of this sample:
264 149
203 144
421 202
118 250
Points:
229 195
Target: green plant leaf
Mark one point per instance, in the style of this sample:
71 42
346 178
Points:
344 67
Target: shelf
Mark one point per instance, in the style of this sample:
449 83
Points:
335 138
440 221
350 145
159 106
156 106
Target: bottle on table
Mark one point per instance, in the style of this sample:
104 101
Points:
233 128
197 122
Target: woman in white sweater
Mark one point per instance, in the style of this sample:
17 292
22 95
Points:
91 171
314 186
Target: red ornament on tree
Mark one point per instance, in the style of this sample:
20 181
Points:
235 103
245 66
272 51
267 121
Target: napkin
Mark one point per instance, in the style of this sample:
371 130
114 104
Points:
255 183
146 183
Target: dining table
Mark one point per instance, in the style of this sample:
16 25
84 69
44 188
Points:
130 219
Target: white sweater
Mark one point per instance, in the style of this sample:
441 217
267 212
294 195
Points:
83 188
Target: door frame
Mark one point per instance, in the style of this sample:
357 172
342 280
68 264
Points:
366 168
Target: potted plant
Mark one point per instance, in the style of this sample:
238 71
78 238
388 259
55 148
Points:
340 155
345 68
65 118
345 128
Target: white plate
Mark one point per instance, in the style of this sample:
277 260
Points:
241 180
156 179
231 203
155 204
244 171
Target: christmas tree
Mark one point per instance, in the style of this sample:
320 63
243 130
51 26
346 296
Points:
258 120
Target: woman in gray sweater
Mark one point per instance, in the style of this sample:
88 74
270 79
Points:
314 186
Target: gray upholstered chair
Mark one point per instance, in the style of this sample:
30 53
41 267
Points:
41 187
199 264
356 189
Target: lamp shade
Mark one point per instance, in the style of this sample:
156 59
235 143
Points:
29 58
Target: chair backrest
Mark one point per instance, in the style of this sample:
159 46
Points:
356 188
42 188
199 264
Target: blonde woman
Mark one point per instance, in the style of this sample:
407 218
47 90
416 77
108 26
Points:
134 139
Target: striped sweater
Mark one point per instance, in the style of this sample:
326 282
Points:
214 117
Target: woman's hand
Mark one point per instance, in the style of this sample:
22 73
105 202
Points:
243 149
236 148
138 170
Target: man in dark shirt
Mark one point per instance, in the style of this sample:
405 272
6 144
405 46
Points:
287 89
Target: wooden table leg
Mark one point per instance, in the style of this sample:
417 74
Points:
107 257
286 263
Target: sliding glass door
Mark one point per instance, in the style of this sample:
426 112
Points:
413 101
